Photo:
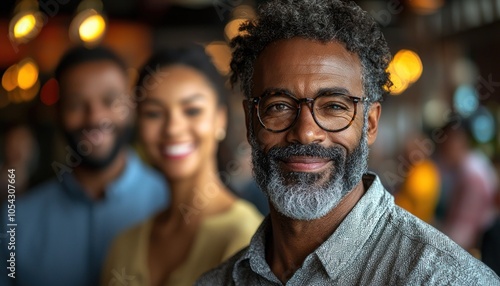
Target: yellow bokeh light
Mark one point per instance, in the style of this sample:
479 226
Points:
221 56
232 28
399 84
28 74
92 28
24 26
9 78
408 66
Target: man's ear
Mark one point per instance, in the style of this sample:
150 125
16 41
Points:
373 119
247 117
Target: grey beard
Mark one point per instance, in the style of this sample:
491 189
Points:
309 196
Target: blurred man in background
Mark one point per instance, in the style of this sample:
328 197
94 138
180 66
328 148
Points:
65 225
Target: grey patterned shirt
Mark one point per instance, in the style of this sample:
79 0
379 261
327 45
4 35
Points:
378 243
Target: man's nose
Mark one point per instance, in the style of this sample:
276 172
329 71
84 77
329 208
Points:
305 130
95 114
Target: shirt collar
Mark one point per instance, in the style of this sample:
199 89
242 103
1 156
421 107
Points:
256 255
344 245
115 188
364 217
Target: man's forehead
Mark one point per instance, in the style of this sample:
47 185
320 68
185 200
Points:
93 76
300 58
304 51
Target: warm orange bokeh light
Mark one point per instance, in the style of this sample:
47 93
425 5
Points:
9 78
221 56
408 65
399 84
28 74
404 69
232 28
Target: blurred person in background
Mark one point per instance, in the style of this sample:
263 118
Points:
66 224
472 184
419 192
19 153
182 118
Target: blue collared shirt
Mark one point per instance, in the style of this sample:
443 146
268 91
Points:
62 235
378 243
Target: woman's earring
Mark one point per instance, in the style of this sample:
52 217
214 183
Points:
220 134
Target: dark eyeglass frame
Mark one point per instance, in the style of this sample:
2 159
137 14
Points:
310 103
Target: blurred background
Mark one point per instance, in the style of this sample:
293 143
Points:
445 68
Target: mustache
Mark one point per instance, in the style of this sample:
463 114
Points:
311 150
110 128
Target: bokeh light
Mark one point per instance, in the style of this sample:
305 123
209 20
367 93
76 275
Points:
404 69
399 84
425 7
88 26
433 112
24 26
49 94
28 74
465 100
483 126
221 56
9 78
232 28
408 65
92 28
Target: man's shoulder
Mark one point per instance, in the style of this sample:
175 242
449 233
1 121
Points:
142 173
431 254
49 190
222 274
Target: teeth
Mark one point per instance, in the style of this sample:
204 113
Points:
178 150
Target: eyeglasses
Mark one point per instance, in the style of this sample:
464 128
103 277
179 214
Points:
278 111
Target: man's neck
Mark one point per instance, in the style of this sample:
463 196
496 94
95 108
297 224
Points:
291 241
94 181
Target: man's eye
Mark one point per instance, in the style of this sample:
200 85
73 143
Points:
277 108
151 114
336 106
192 111
74 106
108 101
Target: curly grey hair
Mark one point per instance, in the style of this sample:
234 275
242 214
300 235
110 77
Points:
321 20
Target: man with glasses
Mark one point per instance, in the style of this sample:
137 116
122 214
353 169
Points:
314 74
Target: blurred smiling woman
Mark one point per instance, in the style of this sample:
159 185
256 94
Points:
182 117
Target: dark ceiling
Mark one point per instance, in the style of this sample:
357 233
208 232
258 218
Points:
158 12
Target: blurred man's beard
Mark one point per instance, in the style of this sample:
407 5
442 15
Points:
91 161
308 196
